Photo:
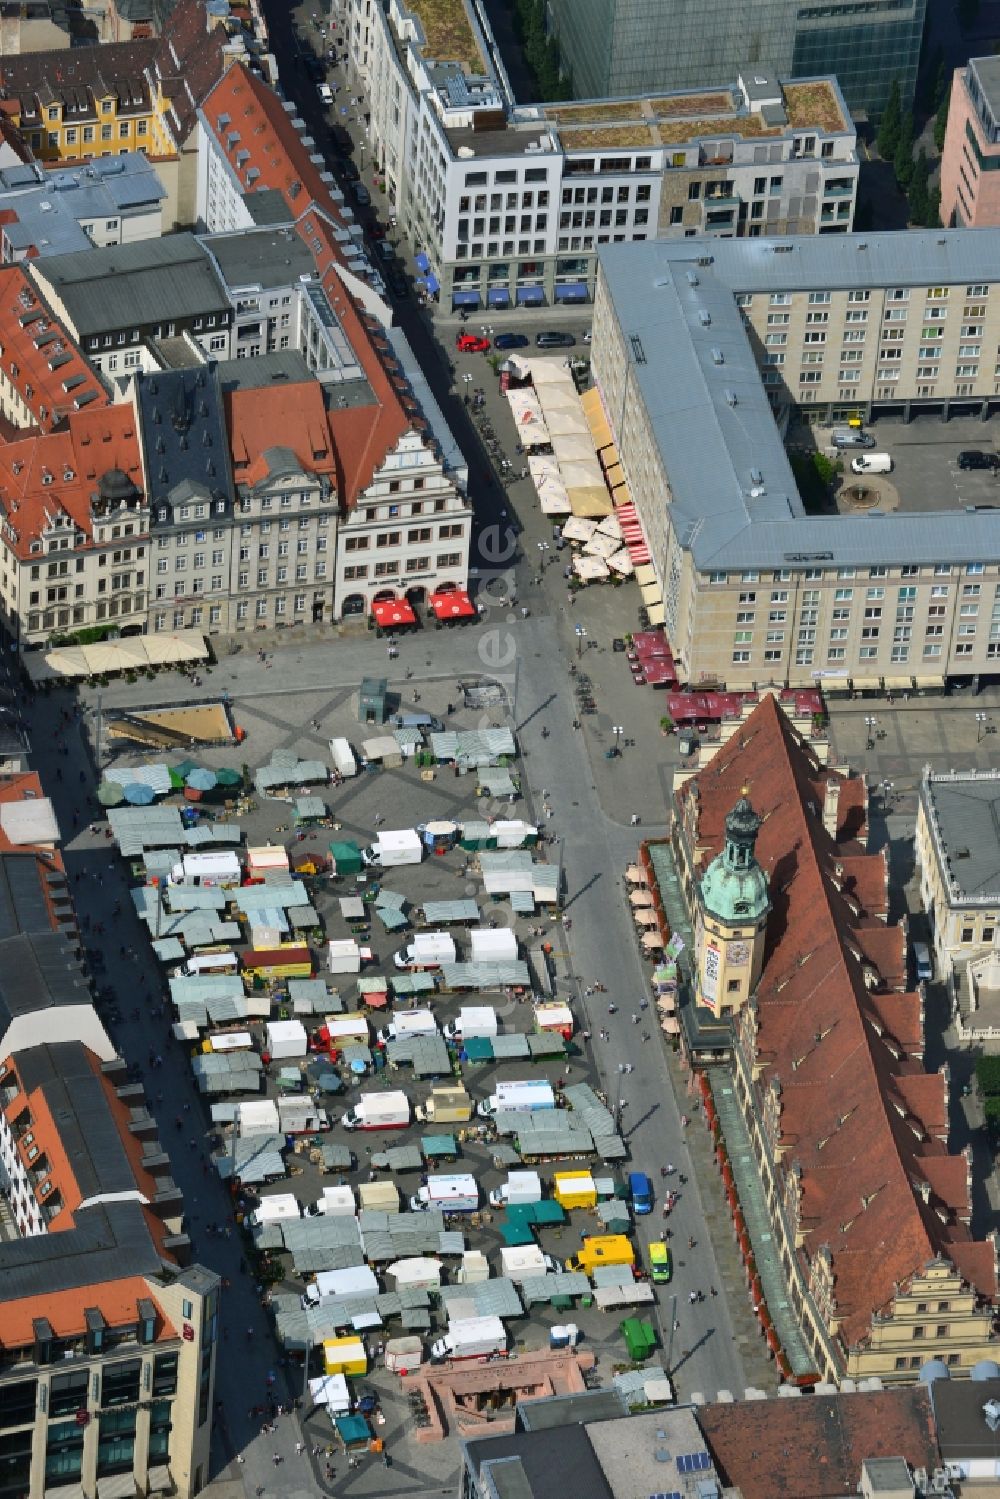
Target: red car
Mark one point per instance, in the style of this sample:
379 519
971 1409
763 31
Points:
472 343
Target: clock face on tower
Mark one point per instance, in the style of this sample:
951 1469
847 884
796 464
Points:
738 953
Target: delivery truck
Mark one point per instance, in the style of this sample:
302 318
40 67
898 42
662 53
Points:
492 945
378 1197
555 1018
201 963
357 1280
336 1202
378 1111
518 1098
393 848
521 1187
471 1337
602 1249
446 1105
574 1189
343 955
278 1209
338 1031
472 1022
217 868
342 758
427 950
525 1261
449 1194
407 1024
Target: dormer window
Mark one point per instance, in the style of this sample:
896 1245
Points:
161 513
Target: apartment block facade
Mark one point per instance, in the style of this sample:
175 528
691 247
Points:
970 188
509 205
756 590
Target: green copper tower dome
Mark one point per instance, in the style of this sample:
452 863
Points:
734 887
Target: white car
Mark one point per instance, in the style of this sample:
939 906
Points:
325 92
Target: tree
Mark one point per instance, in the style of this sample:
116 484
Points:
941 119
918 194
942 83
929 81
902 161
933 217
890 124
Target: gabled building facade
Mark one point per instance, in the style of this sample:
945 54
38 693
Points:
869 1213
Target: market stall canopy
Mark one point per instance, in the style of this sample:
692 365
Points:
636 875
526 410
641 897
621 562
593 408
578 529
389 613
202 778
454 604
137 794
590 569
110 794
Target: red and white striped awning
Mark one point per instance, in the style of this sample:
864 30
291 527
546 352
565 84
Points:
632 533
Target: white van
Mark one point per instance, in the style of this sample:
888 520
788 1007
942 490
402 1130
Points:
201 963
872 463
922 962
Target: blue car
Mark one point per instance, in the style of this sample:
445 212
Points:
510 341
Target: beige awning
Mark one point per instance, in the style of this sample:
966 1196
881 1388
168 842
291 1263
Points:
645 917
636 875
160 1481
898 684
645 575
65 1491
621 494
866 684
643 897
670 1026
117 1486
615 474
651 593
656 614
651 940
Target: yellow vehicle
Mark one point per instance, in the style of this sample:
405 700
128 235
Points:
345 1356
602 1249
446 1105
574 1189
661 1262
292 960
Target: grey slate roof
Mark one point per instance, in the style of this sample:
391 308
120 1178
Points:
39 967
76 1099
260 257
184 441
733 499
135 285
965 813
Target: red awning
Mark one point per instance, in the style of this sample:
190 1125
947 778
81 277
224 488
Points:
390 612
455 604
658 673
648 643
688 707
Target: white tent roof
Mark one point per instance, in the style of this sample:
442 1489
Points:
31 821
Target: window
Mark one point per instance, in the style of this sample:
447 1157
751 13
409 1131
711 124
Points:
120 1382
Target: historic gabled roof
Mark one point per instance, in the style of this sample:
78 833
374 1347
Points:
859 1119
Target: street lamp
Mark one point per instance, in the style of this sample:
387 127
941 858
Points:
871 724
981 721
618 730
581 636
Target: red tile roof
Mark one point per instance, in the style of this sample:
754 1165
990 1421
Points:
116 1299
242 104
289 416
74 460
858 1116
39 358
813 1447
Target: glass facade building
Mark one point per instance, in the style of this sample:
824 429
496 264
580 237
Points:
619 48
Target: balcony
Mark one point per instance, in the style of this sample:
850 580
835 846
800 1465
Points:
838 190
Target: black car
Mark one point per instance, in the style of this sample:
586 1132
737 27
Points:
554 340
974 458
510 341
315 69
349 170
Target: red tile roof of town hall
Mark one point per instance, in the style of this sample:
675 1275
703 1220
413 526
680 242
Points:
859 1116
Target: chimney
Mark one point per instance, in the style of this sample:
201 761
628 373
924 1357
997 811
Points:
831 804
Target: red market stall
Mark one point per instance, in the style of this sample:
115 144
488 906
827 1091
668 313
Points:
392 614
452 605
651 643
806 701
